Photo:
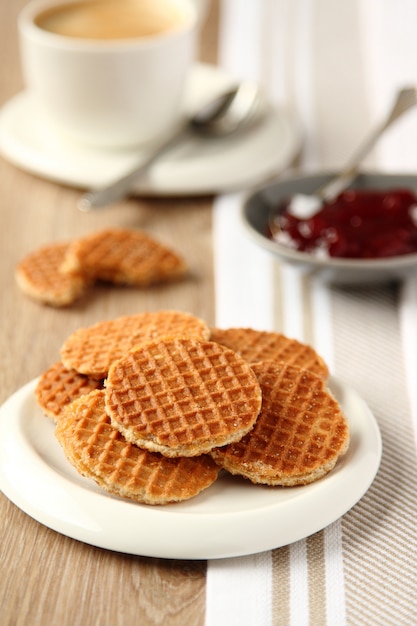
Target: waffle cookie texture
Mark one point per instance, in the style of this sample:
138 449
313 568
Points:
93 349
59 386
60 273
256 345
153 406
38 276
182 397
122 256
299 434
101 453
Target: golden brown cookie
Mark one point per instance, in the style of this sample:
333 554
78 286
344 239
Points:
255 345
39 276
122 256
100 452
59 386
299 435
93 349
182 397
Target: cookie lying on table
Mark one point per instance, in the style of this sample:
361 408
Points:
122 256
39 276
60 273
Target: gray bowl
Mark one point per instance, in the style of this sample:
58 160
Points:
256 212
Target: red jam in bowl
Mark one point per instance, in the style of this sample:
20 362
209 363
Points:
360 224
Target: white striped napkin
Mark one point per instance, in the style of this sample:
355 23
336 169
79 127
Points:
337 65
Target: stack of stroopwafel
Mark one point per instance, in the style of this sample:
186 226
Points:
152 406
58 274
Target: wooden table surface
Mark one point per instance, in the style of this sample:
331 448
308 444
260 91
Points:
45 577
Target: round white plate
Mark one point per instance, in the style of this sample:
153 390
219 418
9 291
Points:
233 517
197 166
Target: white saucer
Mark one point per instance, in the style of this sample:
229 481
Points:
196 167
233 517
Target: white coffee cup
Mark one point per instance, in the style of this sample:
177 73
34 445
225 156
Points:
116 92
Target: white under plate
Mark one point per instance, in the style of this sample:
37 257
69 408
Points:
232 517
197 166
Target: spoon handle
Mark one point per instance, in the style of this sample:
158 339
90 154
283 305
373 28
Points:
120 188
406 98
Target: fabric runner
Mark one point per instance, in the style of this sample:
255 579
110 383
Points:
337 65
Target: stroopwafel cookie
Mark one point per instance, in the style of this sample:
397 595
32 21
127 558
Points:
123 256
93 349
299 435
38 276
255 345
182 397
100 452
59 386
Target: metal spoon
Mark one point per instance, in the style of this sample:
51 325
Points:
225 115
305 206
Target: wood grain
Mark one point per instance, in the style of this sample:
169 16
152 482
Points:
47 578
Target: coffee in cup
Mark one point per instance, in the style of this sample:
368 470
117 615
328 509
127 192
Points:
111 19
108 72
